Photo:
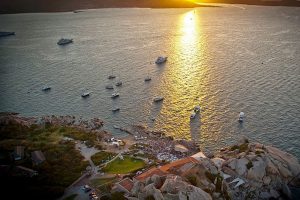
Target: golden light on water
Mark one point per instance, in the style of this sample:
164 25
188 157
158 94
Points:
186 77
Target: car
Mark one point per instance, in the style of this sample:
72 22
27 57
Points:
86 188
93 196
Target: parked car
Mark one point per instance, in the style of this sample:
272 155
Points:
86 188
93 196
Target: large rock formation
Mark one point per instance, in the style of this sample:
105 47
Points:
242 171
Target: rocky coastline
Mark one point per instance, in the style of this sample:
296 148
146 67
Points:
175 169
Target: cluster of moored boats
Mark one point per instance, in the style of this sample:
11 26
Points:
148 78
119 83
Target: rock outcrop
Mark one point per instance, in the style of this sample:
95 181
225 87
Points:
242 171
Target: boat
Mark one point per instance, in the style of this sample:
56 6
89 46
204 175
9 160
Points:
115 95
197 109
46 88
119 83
3 34
112 76
161 60
109 87
85 94
116 126
157 99
115 109
77 11
148 78
241 117
193 115
64 41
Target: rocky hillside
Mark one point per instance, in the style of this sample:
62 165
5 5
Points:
243 171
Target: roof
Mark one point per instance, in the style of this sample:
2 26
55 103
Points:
127 184
37 157
149 173
177 164
199 156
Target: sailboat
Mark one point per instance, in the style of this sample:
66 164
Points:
148 78
112 76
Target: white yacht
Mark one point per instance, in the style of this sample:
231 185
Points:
109 87
115 109
64 41
157 99
46 88
241 117
115 95
85 94
161 60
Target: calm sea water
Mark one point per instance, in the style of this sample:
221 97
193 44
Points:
229 59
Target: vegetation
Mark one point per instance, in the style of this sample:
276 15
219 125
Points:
127 165
101 181
213 177
102 157
150 197
63 165
118 196
241 148
249 165
192 179
71 197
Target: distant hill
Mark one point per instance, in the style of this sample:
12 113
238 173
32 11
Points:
20 6
257 2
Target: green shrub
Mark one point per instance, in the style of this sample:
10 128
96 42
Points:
192 179
249 165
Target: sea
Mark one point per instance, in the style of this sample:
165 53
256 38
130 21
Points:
227 59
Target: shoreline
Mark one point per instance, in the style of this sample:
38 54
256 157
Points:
257 167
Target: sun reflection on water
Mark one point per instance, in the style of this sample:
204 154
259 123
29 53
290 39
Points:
185 78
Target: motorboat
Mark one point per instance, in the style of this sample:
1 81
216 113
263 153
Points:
46 88
115 95
77 11
112 76
119 83
115 109
64 41
85 94
158 99
116 127
241 117
3 34
161 60
109 87
193 115
148 78
197 109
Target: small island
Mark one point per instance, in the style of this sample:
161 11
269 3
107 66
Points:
63 157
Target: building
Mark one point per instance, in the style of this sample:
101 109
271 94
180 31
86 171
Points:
19 153
175 167
37 157
124 186
154 170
